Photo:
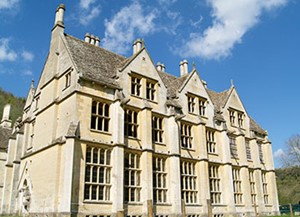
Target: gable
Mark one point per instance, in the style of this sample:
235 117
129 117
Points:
234 101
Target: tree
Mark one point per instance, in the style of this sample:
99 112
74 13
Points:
292 152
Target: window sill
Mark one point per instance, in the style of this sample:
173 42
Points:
132 138
161 204
268 205
99 131
134 203
159 143
192 204
213 154
96 202
188 149
240 205
66 87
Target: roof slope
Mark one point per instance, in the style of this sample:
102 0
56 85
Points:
218 99
256 128
94 63
172 82
4 137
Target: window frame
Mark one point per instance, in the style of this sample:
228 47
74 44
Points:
104 118
202 106
135 85
186 135
188 178
191 103
237 186
160 175
102 163
215 184
233 147
151 91
252 187
132 177
211 143
131 123
265 187
157 129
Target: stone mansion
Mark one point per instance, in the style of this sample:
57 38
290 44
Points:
103 135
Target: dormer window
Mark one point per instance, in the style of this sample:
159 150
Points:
202 103
150 90
191 104
68 79
135 86
232 117
240 119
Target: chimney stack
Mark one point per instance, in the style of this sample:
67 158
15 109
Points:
137 45
59 16
6 122
160 67
97 41
91 39
87 37
183 65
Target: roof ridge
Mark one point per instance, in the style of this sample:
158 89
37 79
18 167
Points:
97 47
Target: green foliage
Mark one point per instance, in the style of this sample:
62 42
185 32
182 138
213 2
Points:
288 185
17 104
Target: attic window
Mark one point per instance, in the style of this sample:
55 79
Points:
68 79
191 104
150 90
240 119
135 86
202 103
232 117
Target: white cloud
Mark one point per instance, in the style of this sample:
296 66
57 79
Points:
122 29
6 53
166 2
231 20
27 56
8 4
27 72
88 11
279 153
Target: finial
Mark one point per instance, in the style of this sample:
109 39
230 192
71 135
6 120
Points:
231 81
32 83
194 65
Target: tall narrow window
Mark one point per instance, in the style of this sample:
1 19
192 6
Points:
210 141
150 90
260 151
232 117
265 187
233 147
214 184
191 104
68 79
97 174
100 116
135 86
237 186
252 187
188 182
159 180
186 135
132 177
37 100
157 129
202 103
248 150
131 123
241 119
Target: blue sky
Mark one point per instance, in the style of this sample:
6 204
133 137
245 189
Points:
252 42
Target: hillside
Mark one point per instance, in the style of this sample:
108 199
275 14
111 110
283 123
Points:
288 185
17 104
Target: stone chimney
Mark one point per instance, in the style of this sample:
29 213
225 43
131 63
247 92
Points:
91 39
87 37
6 122
160 67
59 16
137 45
183 65
97 41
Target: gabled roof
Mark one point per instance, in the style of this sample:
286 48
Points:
93 62
4 137
172 82
219 99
